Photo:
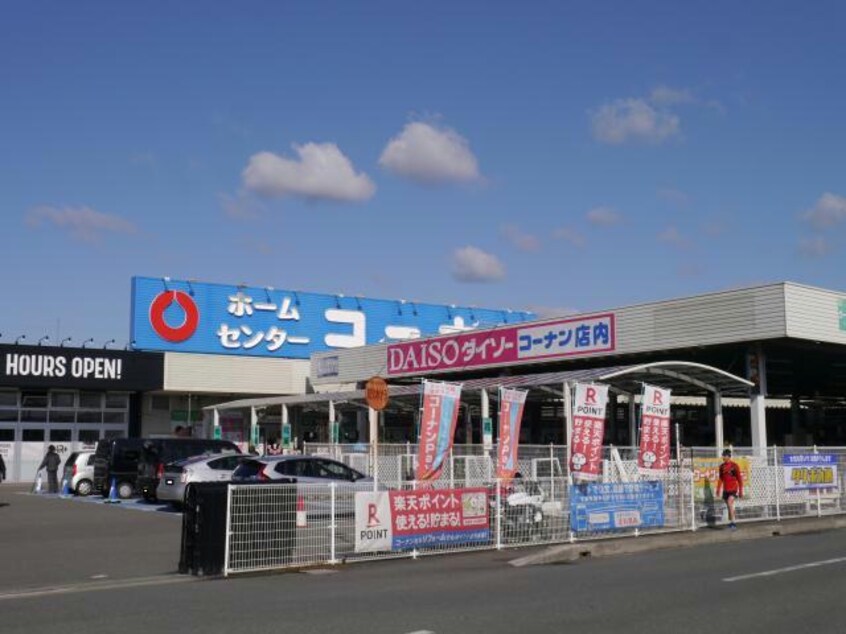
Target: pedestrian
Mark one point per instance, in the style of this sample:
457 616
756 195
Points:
51 462
273 447
2 468
730 483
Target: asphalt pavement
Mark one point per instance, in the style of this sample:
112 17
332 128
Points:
777 585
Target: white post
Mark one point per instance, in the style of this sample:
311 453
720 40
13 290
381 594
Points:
678 445
633 421
253 424
487 438
286 427
216 424
758 405
228 528
373 417
568 418
332 438
332 558
718 422
692 501
498 515
776 483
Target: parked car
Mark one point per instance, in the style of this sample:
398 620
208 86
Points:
117 459
308 470
79 472
207 468
157 452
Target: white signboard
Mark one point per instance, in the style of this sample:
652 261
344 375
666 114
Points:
373 530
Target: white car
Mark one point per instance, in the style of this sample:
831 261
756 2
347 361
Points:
206 468
79 472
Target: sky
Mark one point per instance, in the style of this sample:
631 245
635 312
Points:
551 156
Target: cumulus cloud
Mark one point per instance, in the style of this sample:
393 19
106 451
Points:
81 223
321 172
430 155
672 236
569 235
633 120
816 247
604 216
666 96
471 264
830 210
520 239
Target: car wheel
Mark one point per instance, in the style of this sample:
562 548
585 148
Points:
84 488
125 490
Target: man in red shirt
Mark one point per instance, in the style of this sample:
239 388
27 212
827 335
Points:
730 484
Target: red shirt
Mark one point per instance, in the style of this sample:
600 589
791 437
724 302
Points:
731 479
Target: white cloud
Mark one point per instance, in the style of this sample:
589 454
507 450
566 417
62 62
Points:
633 120
471 264
81 223
321 172
829 211
430 155
521 240
816 247
672 236
604 216
569 235
674 197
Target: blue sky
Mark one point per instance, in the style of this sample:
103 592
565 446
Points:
544 155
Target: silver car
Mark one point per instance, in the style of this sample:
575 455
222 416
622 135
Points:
79 472
206 468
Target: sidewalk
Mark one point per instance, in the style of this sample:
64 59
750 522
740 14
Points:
565 553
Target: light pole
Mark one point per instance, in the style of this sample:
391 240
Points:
43 339
91 340
106 345
19 339
64 341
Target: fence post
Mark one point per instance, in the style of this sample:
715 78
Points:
819 501
451 469
332 516
551 471
498 515
228 530
692 496
776 473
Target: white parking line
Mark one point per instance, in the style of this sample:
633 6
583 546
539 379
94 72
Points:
778 571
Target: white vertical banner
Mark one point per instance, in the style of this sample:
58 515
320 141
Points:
588 430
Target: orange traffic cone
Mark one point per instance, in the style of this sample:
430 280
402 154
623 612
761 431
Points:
302 518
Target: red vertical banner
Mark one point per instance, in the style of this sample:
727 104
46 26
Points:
511 404
588 431
653 457
437 427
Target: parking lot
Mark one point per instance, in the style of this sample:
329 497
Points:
48 541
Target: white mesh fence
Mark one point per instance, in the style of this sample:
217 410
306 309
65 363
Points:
291 525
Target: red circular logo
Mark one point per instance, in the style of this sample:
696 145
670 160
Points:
157 310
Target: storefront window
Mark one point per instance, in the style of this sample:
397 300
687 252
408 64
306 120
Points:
33 435
87 416
34 415
117 401
33 398
90 400
8 415
8 398
7 435
62 399
89 436
60 435
62 416
114 417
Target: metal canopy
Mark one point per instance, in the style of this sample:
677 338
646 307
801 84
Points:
682 377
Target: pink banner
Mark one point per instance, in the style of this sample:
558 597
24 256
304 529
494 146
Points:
654 454
511 345
437 427
588 431
511 404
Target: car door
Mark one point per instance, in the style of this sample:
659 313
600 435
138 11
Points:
222 468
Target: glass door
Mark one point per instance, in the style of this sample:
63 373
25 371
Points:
31 450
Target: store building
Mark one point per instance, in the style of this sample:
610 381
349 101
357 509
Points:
70 398
224 342
788 340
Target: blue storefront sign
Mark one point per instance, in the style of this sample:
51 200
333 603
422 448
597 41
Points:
183 316
606 507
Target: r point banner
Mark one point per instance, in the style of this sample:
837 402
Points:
511 404
588 431
653 456
437 427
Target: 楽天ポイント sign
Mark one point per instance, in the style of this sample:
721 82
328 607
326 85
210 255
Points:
184 316
588 431
507 345
605 507
805 472
653 456
402 520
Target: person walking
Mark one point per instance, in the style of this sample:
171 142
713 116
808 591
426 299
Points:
273 448
730 484
51 462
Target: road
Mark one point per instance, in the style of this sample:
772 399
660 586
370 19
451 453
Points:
692 590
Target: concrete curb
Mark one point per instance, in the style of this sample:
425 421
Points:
566 553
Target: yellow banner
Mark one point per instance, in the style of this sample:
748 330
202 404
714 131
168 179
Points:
706 475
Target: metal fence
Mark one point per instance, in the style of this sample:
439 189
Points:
542 507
